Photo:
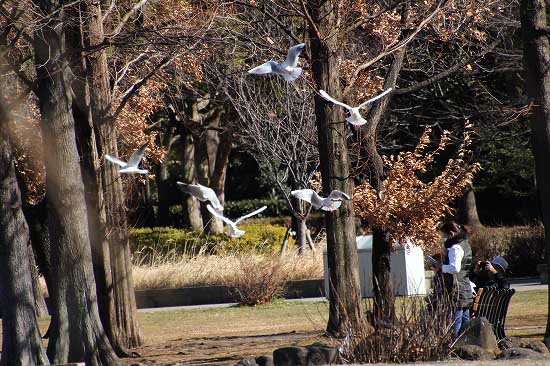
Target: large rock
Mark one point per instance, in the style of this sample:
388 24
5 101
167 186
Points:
290 356
516 342
319 354
479 333
472 352
539 347
265 360
521 353
315 354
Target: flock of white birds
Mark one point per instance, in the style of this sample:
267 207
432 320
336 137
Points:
290 71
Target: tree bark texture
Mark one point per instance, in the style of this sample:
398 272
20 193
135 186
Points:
77 333
90 167
384 297
190 206
124 331
536 59
21 341
467 209
344 310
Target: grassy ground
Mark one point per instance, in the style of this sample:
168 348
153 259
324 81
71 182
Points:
223 336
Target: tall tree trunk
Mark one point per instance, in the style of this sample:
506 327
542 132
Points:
344 310
125 331
77 333
221 159
90 167
384 297
536 60
190 206
467 209
21 342
202 167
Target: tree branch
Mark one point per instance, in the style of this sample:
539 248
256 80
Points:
137 85
447 72
394 48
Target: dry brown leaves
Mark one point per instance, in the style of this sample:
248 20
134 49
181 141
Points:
408 207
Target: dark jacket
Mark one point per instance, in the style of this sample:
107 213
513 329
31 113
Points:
484 278
459 284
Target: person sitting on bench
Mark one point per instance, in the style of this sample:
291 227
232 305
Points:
491 273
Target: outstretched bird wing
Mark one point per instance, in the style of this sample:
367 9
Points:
375 98
112 159
303 194
293 54
332 100
220 216
250 214
137 155
337 195
266 68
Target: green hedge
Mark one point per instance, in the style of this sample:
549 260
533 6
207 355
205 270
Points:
522 246
156 244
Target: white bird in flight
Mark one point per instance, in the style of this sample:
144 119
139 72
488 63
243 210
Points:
355 117
202 193
232 229
330 203
132 165
289 69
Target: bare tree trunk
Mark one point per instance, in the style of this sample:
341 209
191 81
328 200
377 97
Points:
467 209
191 207
344 310
384 297
91 176
536 59
21 342
202 167
39 303
124 328
77 333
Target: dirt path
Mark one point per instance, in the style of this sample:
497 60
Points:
219 351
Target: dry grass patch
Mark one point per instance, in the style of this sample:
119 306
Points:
224 269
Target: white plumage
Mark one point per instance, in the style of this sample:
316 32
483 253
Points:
132 166
232 229
202 193
355 117
330 203
289 69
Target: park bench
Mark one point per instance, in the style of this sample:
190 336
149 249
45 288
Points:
492 303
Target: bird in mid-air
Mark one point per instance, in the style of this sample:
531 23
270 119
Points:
202 193
132 166
355 117
330 203
232 229
289 69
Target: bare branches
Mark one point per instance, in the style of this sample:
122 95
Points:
277 126
394 47
126 17
451 70
138 84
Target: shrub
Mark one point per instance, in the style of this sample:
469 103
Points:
259 279
522 246
149 245
421 332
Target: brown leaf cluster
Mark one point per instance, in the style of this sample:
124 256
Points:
133 122
407 207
